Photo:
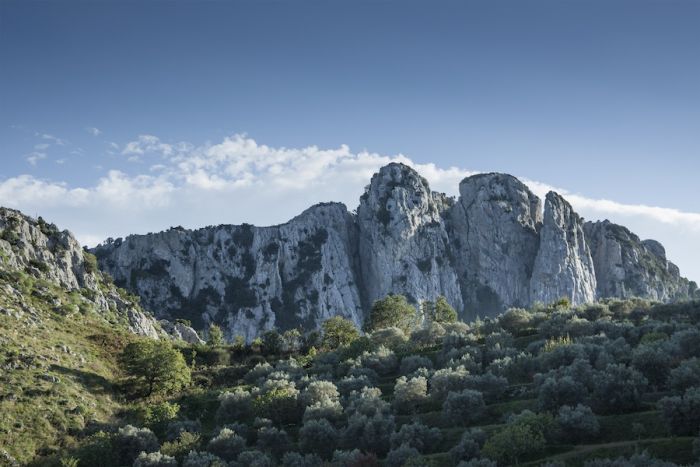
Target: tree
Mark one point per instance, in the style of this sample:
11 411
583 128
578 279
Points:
463 407
216 336
318 437
155 365
392 311
338 332
682 414
576 424
442 312
513 442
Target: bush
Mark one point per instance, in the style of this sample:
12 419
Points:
469 446
464 407
234 406
686 376
478 463
398 456
392 311
653 362
392 338
226 445
682 414
329 410
577 424
184 443
619 389
512 443
409 393
154 459
371 434
367 402
156 416
318 437
278 402
338 332
274 441
448 380
418 436
294 459
131 441
411 363
254 458
555 393
319 392
202 459
354 458
383 360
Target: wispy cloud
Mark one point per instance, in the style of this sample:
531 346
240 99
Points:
145 144
93 131
52 138
34 157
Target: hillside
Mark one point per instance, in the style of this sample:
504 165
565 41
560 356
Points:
62 324
496 246
551 386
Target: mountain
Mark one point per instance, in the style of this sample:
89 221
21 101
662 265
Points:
493 248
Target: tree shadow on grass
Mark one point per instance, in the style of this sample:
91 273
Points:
91 381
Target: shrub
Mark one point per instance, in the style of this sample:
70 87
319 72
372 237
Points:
555 393
155 365
338 332
354 458
278 402
411 363
398 456
318 437
253 458
202 459
448 380
682 413
687 375
156 416
463 407
576 424
329 410
216 336
469 446
408 393
154 459
131 441
371 434
382 360
294 459
234 406
226 445
367 402
511 443
274 441
392 311
184 443
318 392
478 463
619 389
653 363
418 436
392 338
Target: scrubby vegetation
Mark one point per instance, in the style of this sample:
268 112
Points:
615 383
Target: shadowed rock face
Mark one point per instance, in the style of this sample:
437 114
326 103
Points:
488 250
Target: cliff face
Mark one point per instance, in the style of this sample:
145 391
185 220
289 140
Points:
41 250
628 267
491 249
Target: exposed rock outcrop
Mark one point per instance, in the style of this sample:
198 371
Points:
488 250
563 267
40 249
494 231
628 267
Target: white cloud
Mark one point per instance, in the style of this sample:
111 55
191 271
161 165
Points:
147 143
238 180
34 157
93 131
52 138
41 147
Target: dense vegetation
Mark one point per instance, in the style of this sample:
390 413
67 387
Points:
551 386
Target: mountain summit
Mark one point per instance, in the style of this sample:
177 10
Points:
491 249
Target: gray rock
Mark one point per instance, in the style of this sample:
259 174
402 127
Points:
563 267
488 250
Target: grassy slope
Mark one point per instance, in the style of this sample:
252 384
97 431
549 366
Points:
57 370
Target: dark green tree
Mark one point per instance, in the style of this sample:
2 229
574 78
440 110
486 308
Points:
338 332
392 311
154 366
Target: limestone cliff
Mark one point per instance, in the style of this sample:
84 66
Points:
490 249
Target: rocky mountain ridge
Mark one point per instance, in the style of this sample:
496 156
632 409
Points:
492 248
40 249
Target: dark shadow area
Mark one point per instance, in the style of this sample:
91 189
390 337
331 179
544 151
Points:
91 381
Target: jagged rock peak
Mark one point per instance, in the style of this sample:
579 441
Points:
563 267
505 191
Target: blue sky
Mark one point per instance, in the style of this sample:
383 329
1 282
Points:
599 99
